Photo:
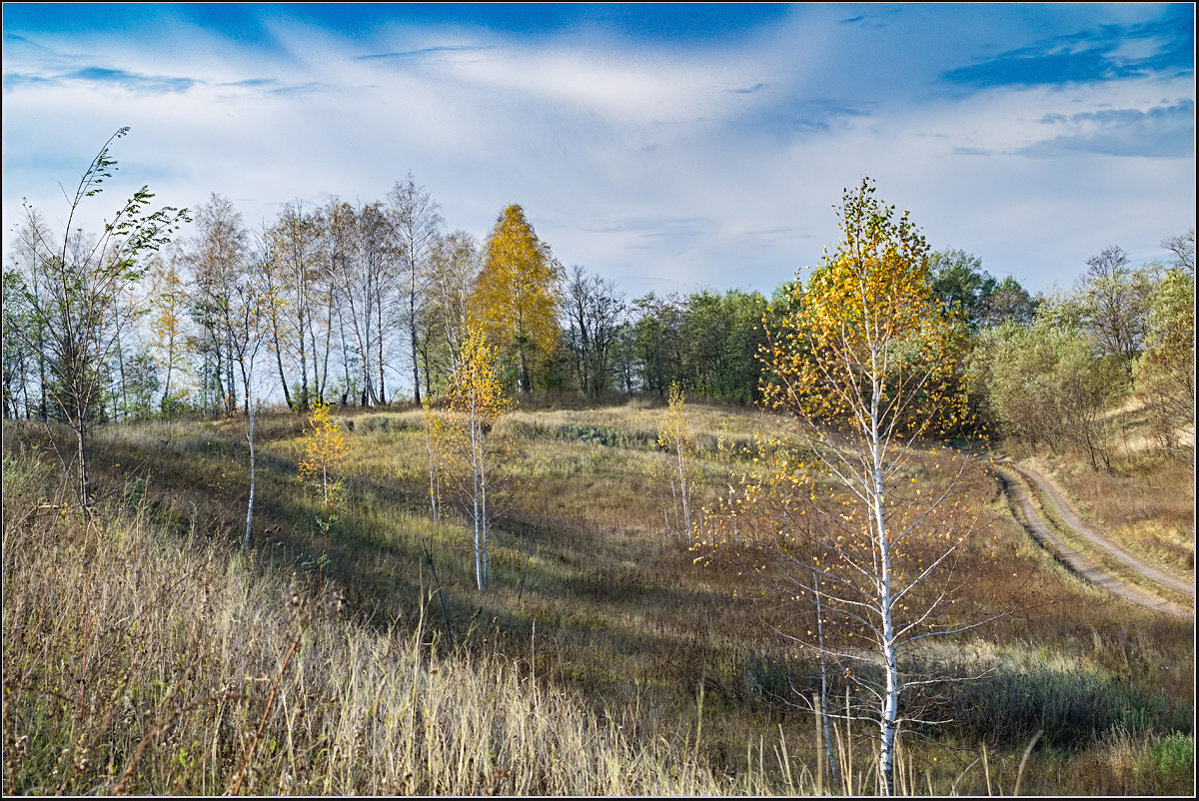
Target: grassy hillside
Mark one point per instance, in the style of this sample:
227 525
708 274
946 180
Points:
144 652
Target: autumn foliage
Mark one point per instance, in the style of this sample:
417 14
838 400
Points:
516 296
868 324
863 362
325 449
476 401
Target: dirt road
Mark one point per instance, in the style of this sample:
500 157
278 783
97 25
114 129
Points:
1014 477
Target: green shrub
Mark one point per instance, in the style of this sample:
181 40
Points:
1173 754
1071 707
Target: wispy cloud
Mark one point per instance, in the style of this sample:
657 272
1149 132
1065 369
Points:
655 227
664 161
103 76
423 53
308 87
253 83
1030 67
1164 131
1100 54
749 90
134 82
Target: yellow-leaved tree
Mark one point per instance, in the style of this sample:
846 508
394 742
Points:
675 437
864 364
516 296
476 402
325 450
168 299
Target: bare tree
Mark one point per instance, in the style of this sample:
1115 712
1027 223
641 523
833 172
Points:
1183 248
593 310
417 220
26 260
453 267
1116 299
363 284
245 316
219 254
295 250
339 233
17 352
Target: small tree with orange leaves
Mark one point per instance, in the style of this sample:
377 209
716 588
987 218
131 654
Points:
864 363
325 448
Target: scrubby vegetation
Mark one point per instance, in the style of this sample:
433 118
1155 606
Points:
145 652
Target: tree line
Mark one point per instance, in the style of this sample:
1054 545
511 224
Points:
1050 378
371 304
360 305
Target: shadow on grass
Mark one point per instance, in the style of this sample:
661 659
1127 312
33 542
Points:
603 620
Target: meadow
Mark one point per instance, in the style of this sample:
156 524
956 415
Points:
146 653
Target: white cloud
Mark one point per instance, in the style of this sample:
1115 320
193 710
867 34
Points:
647 164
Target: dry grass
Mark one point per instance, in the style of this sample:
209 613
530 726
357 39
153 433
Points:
599 636
135 663
1146 504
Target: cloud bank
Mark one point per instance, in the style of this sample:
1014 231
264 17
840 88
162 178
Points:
664 151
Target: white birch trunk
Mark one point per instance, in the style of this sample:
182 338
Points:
250 506
890 700
483 500
475 469
683 489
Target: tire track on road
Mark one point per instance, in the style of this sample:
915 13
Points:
1038 528
1074 521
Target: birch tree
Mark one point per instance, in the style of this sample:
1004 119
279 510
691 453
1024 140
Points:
325 450
17 353
275 307
453 267
863 363
295 253
246 316
339 231
219 254
364 284
675 437
417 220
168 297
25 274
81 281
476 402
136 371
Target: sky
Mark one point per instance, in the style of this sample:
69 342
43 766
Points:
666 148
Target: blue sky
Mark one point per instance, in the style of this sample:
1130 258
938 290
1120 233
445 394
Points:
665 147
